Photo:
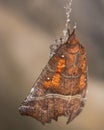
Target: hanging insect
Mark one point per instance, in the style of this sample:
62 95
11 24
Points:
61 87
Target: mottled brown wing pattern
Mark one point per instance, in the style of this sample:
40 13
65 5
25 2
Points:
61 88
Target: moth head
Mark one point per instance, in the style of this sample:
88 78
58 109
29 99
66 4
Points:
72 38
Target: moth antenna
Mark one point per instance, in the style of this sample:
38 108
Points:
68 8
74 29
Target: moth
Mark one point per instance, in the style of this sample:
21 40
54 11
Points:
61 88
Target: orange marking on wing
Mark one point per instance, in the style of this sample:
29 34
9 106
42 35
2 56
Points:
47 84
56 77
83 63
83 66
56 80
82 82
61 65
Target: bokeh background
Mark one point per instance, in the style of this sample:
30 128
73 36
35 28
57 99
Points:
27 29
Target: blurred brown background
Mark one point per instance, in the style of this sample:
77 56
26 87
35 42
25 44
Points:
27 29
